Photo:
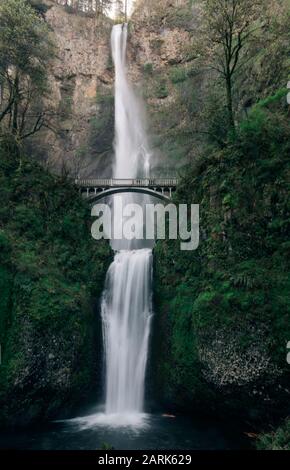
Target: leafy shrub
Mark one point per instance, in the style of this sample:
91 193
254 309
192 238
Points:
162 90
276 440
148 68
178 75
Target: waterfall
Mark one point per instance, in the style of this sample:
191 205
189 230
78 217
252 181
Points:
126 321
126 305
131 146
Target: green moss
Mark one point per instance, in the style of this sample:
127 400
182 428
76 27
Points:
51 271
102 127
236 285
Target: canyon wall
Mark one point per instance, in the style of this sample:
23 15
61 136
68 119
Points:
81 77
81 83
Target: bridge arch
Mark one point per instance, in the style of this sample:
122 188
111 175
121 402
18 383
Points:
111 191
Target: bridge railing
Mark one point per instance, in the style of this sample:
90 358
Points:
120 182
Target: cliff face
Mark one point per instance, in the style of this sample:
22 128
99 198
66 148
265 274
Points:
80 74
82 87
163 62
165 68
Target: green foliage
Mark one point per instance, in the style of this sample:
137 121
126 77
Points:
236 285
276 440
181 17
40 7
106 446
148 68
50 270
24 41
102 127
25 50
237 282
178 75
5 289
277 97
162 89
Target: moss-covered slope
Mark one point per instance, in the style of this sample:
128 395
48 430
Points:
51 275
222 315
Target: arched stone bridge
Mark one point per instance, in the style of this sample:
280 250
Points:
96 189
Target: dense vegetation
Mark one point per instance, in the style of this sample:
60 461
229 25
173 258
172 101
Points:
25 50
277 440
218 112
51 270
233 292
223 310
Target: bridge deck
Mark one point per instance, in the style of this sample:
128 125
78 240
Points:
105 183
94 189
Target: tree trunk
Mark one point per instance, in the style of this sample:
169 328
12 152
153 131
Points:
230 104
15 105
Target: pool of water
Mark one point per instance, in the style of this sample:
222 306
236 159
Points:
95 430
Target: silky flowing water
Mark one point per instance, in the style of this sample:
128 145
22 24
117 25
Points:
126 304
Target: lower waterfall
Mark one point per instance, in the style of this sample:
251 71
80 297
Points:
126 314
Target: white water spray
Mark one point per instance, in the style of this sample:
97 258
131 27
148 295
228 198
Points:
126 306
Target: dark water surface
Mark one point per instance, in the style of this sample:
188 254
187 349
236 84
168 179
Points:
155 432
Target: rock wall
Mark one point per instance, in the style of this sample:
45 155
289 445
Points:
82 87
161 49
78 76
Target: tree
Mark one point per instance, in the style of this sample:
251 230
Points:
39 6
102 6
87 6
229 25
25 49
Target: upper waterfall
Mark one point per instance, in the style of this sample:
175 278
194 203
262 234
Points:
132 154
